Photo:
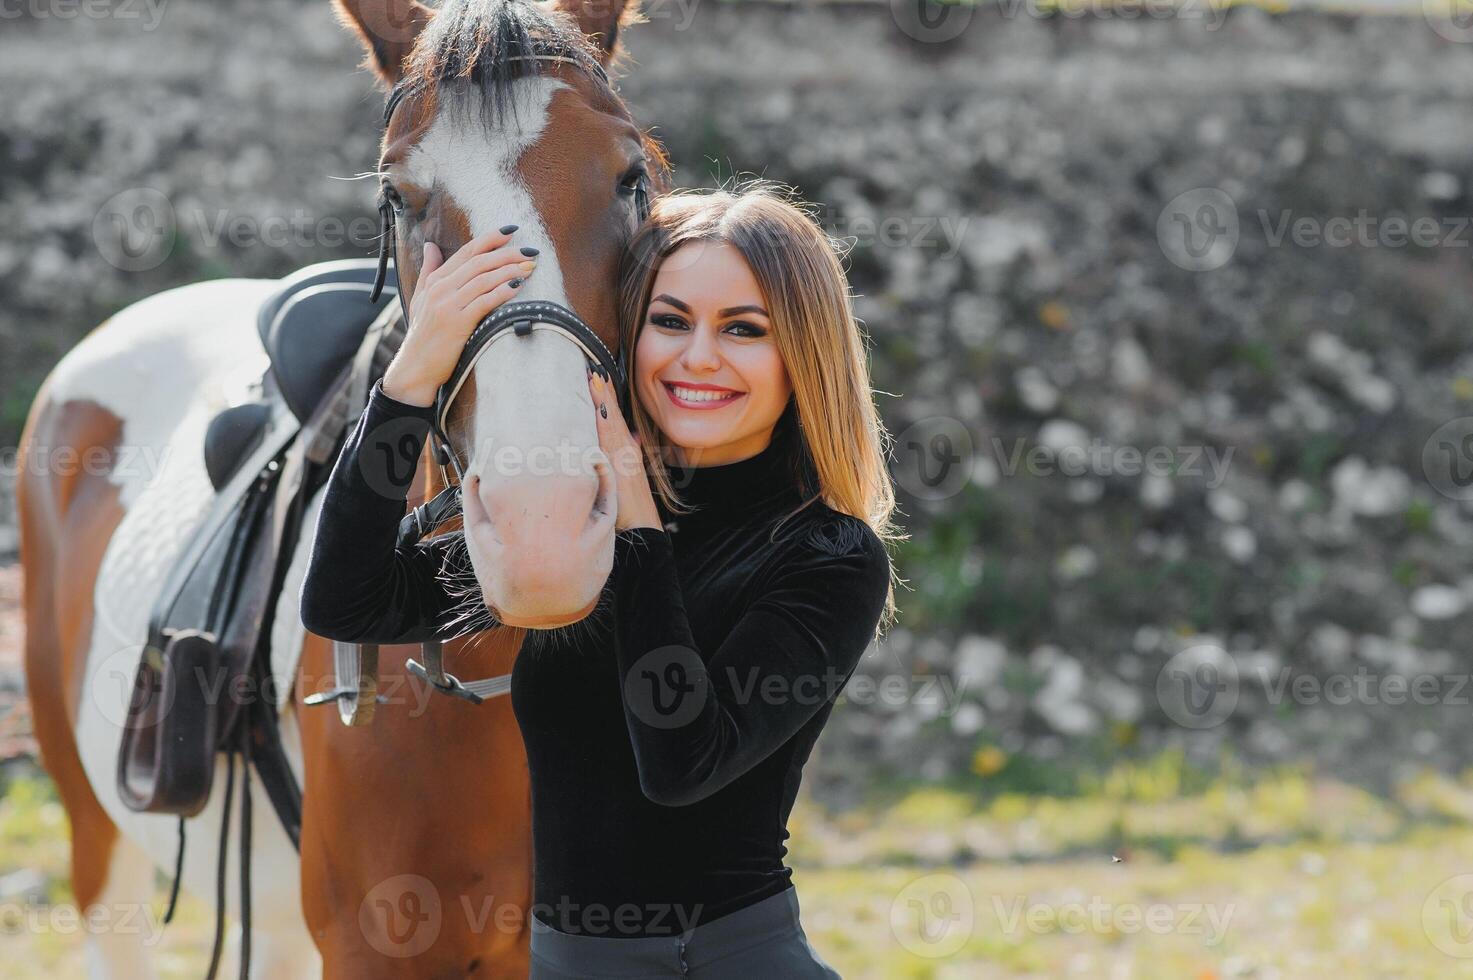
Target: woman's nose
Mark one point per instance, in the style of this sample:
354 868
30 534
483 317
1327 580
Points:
701 353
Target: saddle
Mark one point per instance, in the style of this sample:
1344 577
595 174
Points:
201 684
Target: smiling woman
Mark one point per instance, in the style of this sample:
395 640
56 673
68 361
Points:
667 731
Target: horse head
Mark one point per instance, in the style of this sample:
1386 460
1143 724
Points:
502 112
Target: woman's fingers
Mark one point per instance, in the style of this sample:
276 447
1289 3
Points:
487 281
482 305
475 247
499 258
430 260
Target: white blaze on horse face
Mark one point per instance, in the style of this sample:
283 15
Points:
533 428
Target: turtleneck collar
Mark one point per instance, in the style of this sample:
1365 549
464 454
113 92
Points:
766 479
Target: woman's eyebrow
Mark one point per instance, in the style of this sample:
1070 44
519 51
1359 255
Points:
729 311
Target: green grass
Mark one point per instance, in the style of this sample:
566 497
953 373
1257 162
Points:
1145 870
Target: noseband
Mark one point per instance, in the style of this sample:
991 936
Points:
518 319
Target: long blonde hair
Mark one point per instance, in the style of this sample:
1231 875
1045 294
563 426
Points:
843 445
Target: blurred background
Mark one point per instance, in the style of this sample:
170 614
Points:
1171 308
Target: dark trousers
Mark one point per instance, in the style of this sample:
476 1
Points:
764 940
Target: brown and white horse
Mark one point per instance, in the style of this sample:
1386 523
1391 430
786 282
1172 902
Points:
415 851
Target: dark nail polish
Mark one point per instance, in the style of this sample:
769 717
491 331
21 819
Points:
515 283
529 251
603 409
508 229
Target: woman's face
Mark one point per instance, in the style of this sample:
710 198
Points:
706 366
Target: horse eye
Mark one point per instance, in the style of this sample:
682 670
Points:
633 178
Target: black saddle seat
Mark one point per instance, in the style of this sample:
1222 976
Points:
312 325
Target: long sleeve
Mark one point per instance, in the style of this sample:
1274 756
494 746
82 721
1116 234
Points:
695 722
360 586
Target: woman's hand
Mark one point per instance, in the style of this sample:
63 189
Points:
451 297
636 502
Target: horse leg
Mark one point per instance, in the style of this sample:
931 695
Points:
122 946
65 517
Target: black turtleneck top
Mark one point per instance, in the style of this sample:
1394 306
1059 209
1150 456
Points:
666 734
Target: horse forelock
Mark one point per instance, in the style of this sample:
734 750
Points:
490 44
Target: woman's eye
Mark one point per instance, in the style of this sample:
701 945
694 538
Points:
747 329
669 321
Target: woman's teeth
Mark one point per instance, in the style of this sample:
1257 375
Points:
694 395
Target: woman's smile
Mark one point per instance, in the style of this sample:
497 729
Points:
700 397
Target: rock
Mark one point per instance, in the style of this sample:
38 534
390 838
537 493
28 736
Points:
1240 543
1226 506
979 662
1438 602
1370 491
1077 562
1035 390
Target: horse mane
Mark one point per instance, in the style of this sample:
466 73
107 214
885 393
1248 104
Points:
491 43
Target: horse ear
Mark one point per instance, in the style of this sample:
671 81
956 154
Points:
387 29
602 20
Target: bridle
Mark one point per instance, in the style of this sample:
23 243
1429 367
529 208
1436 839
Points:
518 319
513 319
